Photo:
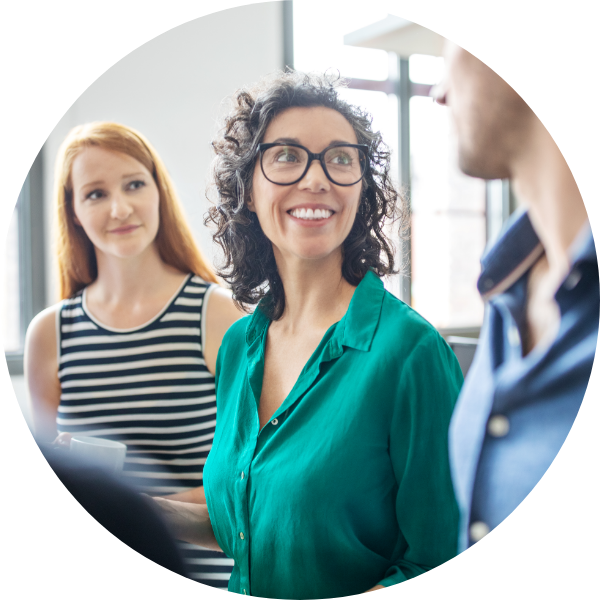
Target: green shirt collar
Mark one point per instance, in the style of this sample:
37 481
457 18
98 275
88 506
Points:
357 327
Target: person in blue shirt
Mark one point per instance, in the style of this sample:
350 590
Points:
540 284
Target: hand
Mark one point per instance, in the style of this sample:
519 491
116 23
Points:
189 522
378 590
63 440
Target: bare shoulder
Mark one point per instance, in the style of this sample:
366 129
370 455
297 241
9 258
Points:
41 333
40 363
221 306
221 314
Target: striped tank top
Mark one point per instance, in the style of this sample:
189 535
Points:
149 388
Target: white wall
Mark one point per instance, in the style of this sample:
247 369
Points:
171 89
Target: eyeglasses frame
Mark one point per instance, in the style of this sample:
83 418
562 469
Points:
320 156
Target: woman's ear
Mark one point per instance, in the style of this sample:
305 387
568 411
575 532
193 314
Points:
250 204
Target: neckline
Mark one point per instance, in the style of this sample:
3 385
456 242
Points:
357 326
160 313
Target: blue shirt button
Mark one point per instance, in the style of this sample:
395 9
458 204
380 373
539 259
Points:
487 285
498 426
478 530
572 280
514 339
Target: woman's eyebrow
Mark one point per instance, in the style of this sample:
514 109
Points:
102 182
339 142
286 140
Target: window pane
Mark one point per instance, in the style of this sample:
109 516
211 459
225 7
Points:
448 223
319 29
426 69
11 313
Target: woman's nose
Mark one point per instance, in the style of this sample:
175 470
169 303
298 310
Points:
315 179
120 208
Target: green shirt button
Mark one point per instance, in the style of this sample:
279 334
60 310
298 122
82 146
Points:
241 535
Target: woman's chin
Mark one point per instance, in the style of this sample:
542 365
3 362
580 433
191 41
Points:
316 255
126 251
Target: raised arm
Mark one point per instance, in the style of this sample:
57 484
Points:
41 373
500 136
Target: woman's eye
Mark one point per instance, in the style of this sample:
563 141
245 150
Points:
95 195
136 185
286 156
341 159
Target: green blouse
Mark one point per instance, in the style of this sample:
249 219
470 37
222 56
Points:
348 486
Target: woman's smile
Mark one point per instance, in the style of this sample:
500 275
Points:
124 229
311 216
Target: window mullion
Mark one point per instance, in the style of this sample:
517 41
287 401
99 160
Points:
404 93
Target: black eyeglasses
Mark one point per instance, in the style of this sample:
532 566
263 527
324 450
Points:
286 164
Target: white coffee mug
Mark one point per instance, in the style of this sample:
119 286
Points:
98 451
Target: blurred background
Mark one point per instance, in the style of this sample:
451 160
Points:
173 90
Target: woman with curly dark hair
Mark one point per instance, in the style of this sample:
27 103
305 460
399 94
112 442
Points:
329 472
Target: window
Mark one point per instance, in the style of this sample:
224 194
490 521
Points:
24 280
448 229
11 297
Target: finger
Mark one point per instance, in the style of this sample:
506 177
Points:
63 440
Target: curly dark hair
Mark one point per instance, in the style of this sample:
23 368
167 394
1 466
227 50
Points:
249 263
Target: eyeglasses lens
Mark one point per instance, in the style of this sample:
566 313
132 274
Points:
286 164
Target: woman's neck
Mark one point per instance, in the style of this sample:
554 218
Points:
132 279
316 293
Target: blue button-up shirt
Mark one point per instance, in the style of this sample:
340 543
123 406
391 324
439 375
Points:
515 411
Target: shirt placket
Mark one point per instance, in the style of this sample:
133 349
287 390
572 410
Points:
242 474
243 521
258 438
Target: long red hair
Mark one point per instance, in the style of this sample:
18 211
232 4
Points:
77 266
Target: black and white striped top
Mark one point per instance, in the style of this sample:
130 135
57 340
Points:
149 388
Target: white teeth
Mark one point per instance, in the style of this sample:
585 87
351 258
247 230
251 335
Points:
309 214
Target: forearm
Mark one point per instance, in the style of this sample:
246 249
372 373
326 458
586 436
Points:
195 496
189 522
378 590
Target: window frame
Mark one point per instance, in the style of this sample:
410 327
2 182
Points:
32 272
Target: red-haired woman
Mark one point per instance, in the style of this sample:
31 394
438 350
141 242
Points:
129 353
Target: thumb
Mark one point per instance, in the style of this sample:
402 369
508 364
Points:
63 440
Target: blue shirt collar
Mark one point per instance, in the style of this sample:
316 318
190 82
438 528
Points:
516 251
